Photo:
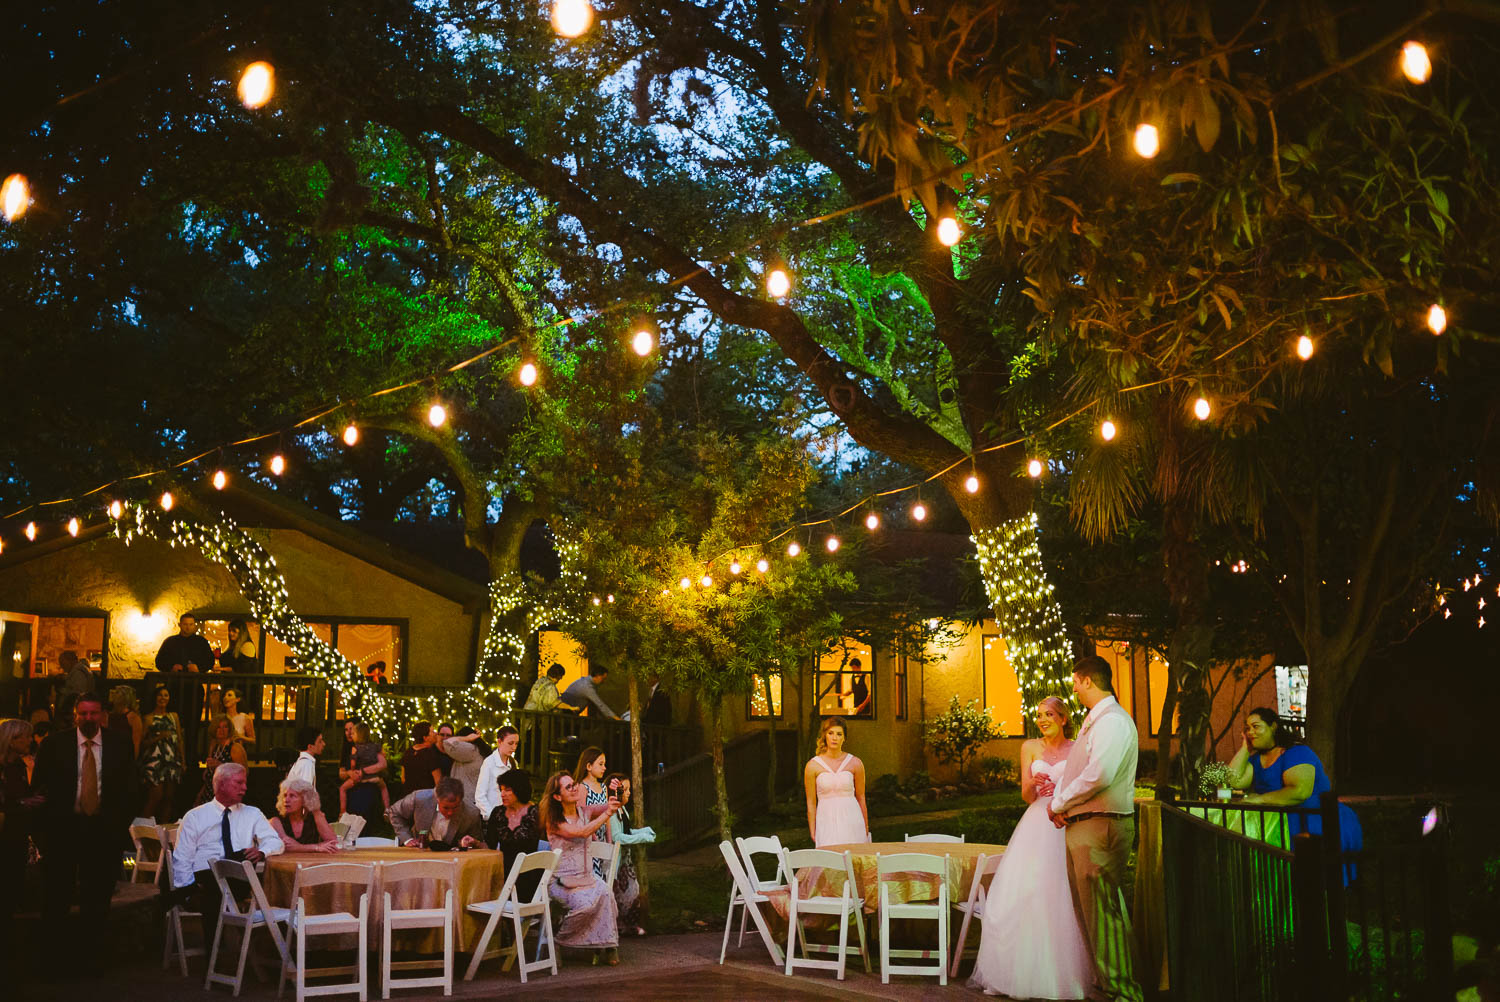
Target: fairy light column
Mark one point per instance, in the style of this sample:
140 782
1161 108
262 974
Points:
1010 562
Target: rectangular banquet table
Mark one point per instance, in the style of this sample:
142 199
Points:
481 875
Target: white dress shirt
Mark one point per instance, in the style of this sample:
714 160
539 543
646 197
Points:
305 769
98 751
487 789
1100 774
200 837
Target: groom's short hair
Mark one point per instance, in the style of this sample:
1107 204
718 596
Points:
1095 668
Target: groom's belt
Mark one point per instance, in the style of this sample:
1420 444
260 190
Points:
1089 815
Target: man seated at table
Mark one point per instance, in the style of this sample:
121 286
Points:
440 814
223 828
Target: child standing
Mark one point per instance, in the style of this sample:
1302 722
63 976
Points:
366 754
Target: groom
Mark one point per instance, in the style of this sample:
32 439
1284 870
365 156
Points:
1095 799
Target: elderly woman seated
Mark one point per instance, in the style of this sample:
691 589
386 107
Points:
299 820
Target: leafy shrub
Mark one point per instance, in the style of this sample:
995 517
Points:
886 787
994 824
999 773
1214 775
956 734
918 783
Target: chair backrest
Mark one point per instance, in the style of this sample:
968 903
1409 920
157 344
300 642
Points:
737 873
794 861
610 853
444 870
374 842
768 845
147 837
330 873
225 870
911 862
985 868
934 838
544 860
170 834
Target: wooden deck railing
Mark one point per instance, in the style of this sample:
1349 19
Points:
680 799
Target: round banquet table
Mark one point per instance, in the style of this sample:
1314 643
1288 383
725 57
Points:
481 875
963 857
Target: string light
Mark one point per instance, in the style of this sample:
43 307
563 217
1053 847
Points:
685 583
1147 140
642 343
73 531
793 548
778 284
116 509
762 565
972 484
1416 63
278 464
596 600
15 197
832 542
31 531
948 232
167 501
1201 409
571 18
1107 431
1034 468
609 598
706 581
221 480
735 567
437 415
1304 347
257 84
527 374
872 521
919 511
351 435
1437 319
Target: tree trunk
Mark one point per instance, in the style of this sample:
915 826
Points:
1164 730
771 720
1190 648
721 787
637 786
1329 680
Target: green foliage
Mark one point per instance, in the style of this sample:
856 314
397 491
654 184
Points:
999 772
956 734
1214 776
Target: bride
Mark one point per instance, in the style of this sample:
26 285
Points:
1031 946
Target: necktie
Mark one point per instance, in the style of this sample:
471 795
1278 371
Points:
88 782
224 835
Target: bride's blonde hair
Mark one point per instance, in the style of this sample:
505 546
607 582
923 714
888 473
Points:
829 723
1061 709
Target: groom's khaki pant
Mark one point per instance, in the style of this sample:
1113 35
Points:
1098 852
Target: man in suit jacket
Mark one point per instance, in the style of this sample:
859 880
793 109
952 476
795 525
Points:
1095 800
440 812
85 779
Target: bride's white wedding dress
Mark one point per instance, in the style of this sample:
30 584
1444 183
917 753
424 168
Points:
1031 946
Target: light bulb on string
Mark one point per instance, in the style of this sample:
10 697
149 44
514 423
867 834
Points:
1416 64
1034 468
948 231
1437 319
15 197
351 435
1304 347
735 567
1202 409
832 543
1107 430
919 511
685 583
116 509
278 464
971 484
221 480
571 18
609 598
597 600
527 374
793 548
642 343
257 84
31 531
706 581
872 521
167 500
1147 140
762 565
73 526
437 415
778 283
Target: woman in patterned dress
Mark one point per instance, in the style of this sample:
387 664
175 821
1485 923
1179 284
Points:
590 776
591 915
223 746
161 756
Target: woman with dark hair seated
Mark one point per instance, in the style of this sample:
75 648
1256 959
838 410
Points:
1278 769
514 827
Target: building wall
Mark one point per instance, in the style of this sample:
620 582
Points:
145 587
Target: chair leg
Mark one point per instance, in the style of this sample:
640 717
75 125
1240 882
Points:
792 929
885 939
859 926
744 920
385 954
943 949
301 973
960 945
484 943
286 961
448 938
551 941
213 954
239 971
364 951
843 941
728 922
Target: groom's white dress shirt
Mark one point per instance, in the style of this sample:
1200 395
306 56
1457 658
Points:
1100 773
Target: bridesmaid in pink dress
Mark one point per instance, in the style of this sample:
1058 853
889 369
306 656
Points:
835 784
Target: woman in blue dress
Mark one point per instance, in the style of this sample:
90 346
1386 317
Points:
1279 770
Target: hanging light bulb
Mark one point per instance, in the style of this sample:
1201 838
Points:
116 509
948 232
278 464
527 374
571 18
1147 140
609 598
351 435
1304 347
1437 319
735 567
685 583
221 480
31 531
1201 409
706 581
972 484
832 542
167 500
257 84
762 565
1415 62
597 600
642 343
793 548
15 197
1107 431
872 521
73 526
437 415
778 283
919 511
1034 468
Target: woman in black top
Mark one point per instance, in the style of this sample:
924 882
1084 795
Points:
299 821
514 827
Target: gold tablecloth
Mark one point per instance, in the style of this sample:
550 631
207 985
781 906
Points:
481 875
963 857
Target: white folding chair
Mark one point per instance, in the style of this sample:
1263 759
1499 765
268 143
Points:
374 842
175 944
429 871
742 894
984 870
149 847
907 863
522 914
795 864
304 926
934 838
257 914
765 845
610 853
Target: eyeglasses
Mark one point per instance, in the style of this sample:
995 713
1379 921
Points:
566 789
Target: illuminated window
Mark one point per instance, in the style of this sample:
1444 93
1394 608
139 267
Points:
374 647
555 647
844 681
1291 692
765 697
83 635
1156 680
1000 689
898 683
